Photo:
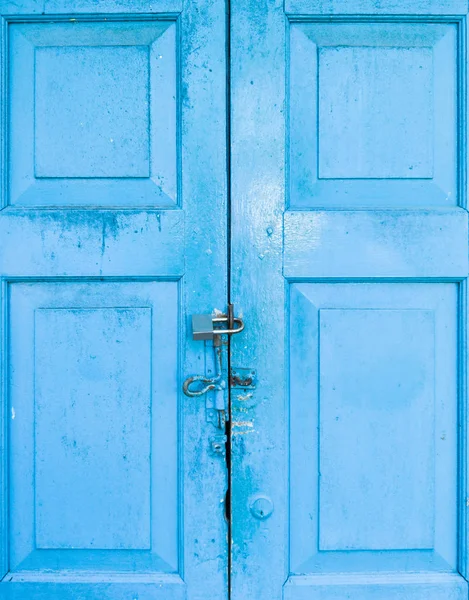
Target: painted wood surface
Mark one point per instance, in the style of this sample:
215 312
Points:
348 262
112 233
349 120
259 443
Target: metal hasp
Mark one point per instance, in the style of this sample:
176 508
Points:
208 328
243 378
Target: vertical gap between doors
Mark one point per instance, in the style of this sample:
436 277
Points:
228 262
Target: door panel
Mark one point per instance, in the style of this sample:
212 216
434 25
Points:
112 228
402 154
356 300
102 143
373 398
88 407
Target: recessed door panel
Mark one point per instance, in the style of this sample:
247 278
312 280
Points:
94 433
372 114
374 434
93 115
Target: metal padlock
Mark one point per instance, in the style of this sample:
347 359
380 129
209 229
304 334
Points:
202 327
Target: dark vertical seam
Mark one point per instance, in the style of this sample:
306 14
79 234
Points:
228 246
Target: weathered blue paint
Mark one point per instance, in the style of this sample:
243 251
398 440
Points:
350 259
349 265
259 416
112 233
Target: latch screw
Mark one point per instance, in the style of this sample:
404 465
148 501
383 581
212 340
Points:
262 508
218 444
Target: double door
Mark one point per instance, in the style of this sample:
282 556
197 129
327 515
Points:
305 160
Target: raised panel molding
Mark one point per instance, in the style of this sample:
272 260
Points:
97 130
374 427
373 113
93 389
110 143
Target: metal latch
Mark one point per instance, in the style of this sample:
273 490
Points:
218 444
207 384
243 378
210 328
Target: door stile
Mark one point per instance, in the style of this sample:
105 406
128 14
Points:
3 434
203 57
259 417
463 432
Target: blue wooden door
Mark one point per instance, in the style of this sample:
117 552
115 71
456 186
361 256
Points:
349 262
349 259
112 232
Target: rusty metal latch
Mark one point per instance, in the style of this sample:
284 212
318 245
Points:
243 378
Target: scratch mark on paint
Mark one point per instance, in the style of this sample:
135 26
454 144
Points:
242 432
243 424
13 413
242 398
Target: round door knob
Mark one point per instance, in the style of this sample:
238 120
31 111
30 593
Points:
262 507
